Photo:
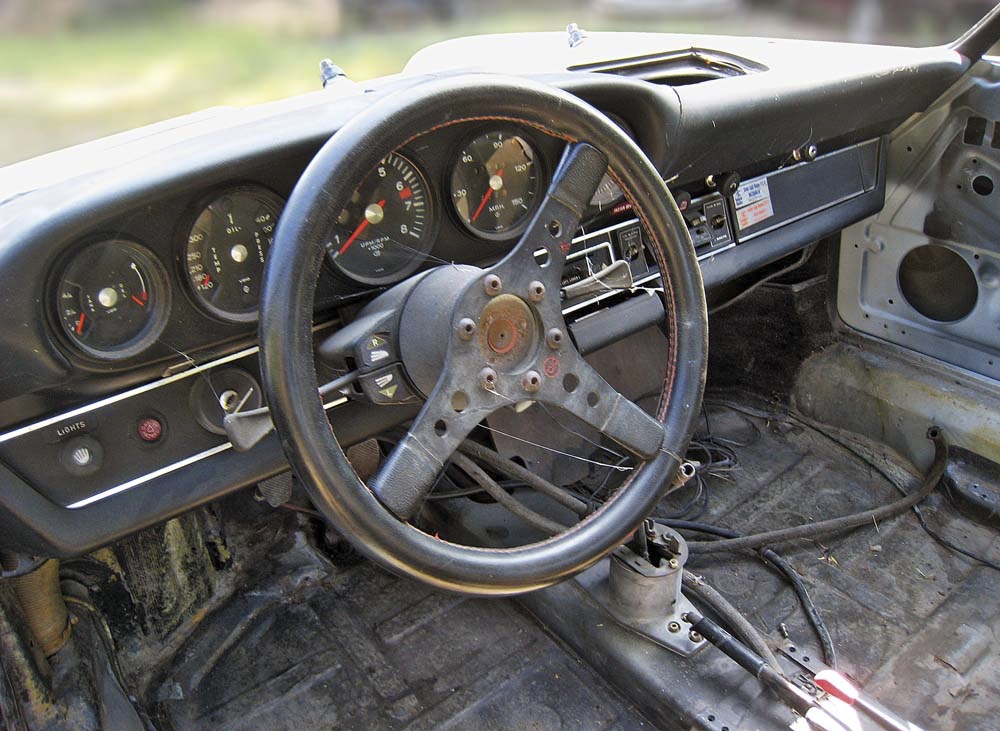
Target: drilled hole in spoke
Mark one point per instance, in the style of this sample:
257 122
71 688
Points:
593 398
570 382
554 228
459 401
542 258
440 427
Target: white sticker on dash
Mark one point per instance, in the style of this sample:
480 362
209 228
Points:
751 191
754 213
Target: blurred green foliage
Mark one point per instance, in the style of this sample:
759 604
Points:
126 68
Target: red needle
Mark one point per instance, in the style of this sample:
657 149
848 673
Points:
486 198
138 301
206 280
357 232
79 323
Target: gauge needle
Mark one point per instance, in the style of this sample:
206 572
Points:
496 183
140 302
363 225
79 323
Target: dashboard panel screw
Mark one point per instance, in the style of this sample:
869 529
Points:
554 338
466 328
674 563
695 636
536 291
492 285
674 627
532 381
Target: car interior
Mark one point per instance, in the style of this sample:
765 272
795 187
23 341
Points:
609 380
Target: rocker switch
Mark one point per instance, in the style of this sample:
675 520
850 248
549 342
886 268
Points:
387 386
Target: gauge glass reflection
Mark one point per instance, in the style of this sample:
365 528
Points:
383 234
494 184
227 247
112 299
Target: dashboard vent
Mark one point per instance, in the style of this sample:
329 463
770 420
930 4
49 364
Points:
677 68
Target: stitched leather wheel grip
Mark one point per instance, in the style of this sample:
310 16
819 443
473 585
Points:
374 517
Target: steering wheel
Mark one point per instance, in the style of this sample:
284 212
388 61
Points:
451 331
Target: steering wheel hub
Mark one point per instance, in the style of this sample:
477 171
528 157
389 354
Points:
508 331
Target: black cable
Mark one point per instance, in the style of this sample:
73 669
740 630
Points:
828 433
798 263
739 624
843 523
782 566
529 478
504 498
948 544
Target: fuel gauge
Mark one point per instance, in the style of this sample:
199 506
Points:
113 299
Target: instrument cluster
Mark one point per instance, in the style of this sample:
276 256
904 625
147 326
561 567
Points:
455 196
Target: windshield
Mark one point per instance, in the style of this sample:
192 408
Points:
76 70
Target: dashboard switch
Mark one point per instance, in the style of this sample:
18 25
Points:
149 429
82 455
387 386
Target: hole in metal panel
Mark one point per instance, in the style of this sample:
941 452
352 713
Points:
975 131
982 184
938 283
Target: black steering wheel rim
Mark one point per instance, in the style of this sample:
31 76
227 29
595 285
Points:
287 347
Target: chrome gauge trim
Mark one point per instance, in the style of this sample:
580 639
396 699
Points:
166 470
124 395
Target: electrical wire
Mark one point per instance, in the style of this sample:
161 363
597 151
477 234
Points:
769 556
798 263
529 516
529 478
831 433
843 523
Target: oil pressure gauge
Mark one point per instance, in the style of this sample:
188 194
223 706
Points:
112 299
227 246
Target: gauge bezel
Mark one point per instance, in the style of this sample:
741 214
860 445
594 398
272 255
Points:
427 239
541 176
161 303
184 232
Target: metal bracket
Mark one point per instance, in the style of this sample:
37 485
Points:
643 593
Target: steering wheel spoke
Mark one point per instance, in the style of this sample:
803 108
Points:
411 470
583 392
540 254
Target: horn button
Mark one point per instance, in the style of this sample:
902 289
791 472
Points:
508 332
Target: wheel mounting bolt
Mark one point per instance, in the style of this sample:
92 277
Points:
536 291
554 338
492 285
531 381
488 378
466 328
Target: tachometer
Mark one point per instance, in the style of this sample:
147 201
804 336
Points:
226 249
384 232
113 299
494 183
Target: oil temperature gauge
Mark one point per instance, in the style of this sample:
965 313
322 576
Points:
226 249
113 299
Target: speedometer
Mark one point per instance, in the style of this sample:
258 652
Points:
384 232
226 248
494 184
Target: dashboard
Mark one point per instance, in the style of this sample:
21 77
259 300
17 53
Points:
131 277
